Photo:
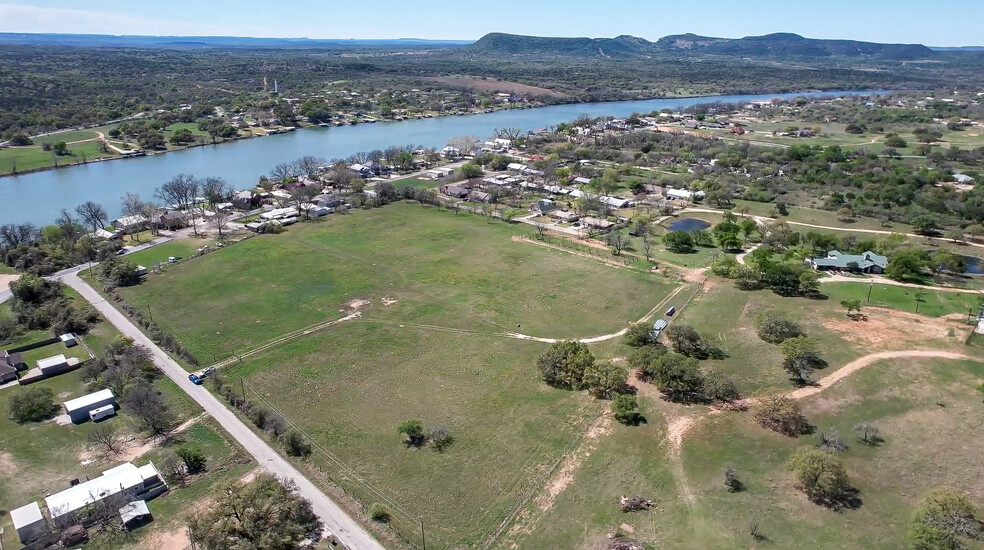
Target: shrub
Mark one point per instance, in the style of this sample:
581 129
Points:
604 379
193 458
33 405
781 414
440 438
943 515
295 444
639 335
625 409
775 329
564 363
378 513
821 475
413 430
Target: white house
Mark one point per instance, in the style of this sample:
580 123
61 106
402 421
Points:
115 487
684 194
515 167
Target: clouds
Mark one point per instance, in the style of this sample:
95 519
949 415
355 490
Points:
35 19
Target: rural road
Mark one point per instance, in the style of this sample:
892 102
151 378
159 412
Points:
335 520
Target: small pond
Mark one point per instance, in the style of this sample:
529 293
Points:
975 265
689 224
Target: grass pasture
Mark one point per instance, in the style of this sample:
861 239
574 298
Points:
929 302
416 184
455 271
438 291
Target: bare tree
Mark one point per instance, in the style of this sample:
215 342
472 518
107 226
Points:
303 195
310 166
648 245
216 190
464 144
131 204
284 171
869 432
92 214
12 235
616 240
107 438
181 192
509 132
149 409
221 220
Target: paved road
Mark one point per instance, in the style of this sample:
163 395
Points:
334 518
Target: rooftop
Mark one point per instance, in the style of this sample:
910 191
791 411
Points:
88 400
26 515
53 361
111 482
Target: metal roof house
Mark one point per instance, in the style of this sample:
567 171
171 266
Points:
115 488
866 262
78 408
28 522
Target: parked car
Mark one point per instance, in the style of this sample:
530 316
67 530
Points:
200 376
671 311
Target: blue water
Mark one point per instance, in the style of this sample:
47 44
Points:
975 265
39 197
689 224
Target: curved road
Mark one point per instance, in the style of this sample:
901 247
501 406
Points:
334 518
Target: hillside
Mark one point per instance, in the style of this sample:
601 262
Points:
779 45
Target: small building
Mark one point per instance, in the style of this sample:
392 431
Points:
68 339
327 200
516 167
130 223
141 271
135 514
563 215
616 202
597 223
684 194
867 262
543 206
455 191
479 196
10 365
29 522
106 234
171 220
56 364
99 413
78 409
114 488
279 214
581 181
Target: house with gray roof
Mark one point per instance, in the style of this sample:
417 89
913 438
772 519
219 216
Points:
866 262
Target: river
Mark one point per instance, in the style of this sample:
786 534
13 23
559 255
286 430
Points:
39 197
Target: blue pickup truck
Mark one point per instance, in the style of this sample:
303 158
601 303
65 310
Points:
200 376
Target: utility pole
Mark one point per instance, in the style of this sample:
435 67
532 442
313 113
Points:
871 286
423 540
242 384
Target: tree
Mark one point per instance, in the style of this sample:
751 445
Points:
869 432
265 513
720 388
926 224
731 481
61 149
193 458
821 475
809 282
907 264
625 408
563 364
34 404
310 166
295 444
181 192
943 515
678 377
944 260
648 245
378 513
638 335
644 357
285 171
216 190
802 355
616 240
413 431
679 241
149 409
92 214
775 329
106 437
748 227
781 414
464 144
685 339
440 438
471 171
729 241
896 141
830 440
853 308
604 379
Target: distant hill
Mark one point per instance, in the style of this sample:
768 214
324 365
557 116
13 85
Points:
185 42
779 45
957 48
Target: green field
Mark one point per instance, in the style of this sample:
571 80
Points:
416 184
930 303
440 268
33 157
437 353
179 248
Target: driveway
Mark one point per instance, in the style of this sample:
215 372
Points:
335 520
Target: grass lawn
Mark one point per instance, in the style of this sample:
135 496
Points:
179 248
926 445
819 217
441 268
33 157
416 184
67 137
350 387
933 304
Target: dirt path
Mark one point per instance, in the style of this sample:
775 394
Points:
676 428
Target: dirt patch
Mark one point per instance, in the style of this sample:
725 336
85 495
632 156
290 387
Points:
492 85
388 301
249 477
676 429
572 462
357 304
166 540
62 420
5 280
890 329
7 463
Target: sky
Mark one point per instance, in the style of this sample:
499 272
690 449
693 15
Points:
930 22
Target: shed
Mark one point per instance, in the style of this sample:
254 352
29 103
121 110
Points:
50 366
28 522
68 339
78 408
135 514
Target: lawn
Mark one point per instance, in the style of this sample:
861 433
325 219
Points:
931 303
67 137
33 157
416 184
456 271
179 248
